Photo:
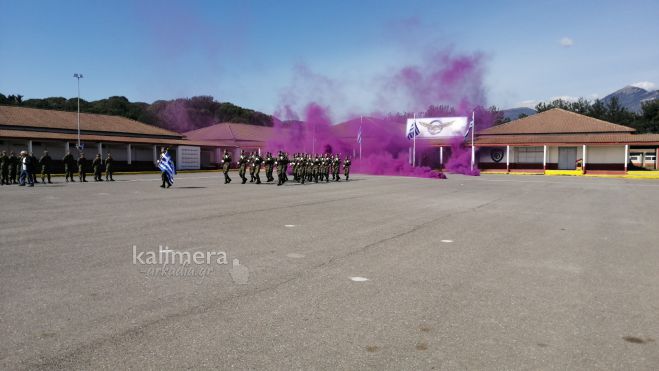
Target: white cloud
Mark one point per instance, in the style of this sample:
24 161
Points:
530 103
566 42
566 98
647 85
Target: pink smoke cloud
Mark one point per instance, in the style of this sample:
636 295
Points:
442 78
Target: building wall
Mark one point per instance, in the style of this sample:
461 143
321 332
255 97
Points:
485 154
605 155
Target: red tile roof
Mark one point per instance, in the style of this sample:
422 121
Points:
64 120
227 131
556 121
40 135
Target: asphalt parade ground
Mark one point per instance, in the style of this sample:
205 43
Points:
491 272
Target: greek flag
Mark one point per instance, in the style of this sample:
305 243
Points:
359 135
470 127
166 165
413 131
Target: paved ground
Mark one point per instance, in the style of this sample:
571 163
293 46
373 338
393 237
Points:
541 273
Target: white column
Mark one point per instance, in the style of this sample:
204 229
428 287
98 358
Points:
179 155
129 153
29 146
155 153
218 155
507 158
583 165
410 155
544 158
66 147
100 148
441 155
626 156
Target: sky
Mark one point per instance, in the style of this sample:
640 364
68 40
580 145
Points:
261 54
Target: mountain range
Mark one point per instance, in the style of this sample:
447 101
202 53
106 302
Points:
630 97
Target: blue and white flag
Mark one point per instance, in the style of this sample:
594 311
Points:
166 165
359 135
470 127
413 130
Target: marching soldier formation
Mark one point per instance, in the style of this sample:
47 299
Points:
306 167
23 169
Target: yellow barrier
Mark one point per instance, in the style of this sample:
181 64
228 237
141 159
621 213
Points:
564 172
648 174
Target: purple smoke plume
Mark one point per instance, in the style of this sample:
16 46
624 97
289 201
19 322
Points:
455 81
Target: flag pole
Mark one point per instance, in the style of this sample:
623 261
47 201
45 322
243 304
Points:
414 144
361 136
473 149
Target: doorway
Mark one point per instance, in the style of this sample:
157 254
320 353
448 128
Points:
567 158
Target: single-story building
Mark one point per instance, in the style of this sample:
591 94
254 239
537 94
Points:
561 140
135 146
231 137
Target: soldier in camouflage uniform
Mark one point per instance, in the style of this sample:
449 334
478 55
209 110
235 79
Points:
286 162
346 167
96 165
13 167
45 161
82 168
321 167
269 166
242 164
309 168
69 166
226 164
316 168
281 168
250 163
257 167
108 167
4 168
328 166
337 167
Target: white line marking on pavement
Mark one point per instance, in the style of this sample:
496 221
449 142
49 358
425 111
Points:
295 255
289 225
447 241
358 279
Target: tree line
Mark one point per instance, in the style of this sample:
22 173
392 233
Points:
183 114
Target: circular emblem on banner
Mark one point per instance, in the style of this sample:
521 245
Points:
497 155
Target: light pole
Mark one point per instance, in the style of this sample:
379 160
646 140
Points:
78 76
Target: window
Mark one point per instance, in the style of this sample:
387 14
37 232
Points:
530 155
650 157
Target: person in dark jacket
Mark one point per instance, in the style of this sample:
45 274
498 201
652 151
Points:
45 161
34 161
4 168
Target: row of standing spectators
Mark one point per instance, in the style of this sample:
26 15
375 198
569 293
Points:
22 169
